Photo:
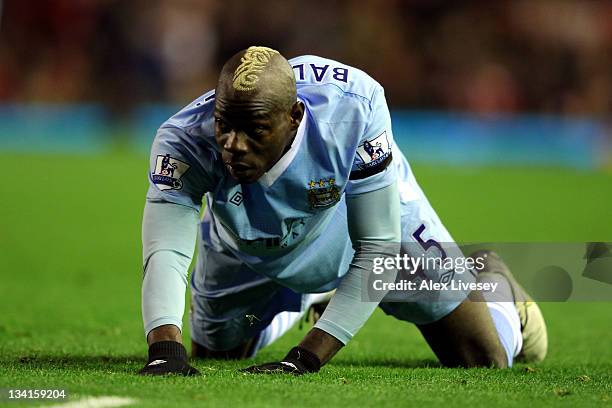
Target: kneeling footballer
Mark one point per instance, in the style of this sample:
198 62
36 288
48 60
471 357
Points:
303 189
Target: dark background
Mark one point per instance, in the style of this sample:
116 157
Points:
503 56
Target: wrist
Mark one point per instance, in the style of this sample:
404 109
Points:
167 332
167 350
303 359
322 344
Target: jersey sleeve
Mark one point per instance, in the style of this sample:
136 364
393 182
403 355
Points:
180 170
168 239
371 169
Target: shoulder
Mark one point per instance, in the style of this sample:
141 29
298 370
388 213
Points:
329 85
192 127
188 137
196 117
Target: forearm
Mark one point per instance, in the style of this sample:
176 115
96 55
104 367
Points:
372 237
163 290
169 232
347 312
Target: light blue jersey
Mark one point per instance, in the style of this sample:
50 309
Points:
264 244
290 225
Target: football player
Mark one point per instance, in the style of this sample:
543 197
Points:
304 188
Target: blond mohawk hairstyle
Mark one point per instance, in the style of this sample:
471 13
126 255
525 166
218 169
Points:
251 65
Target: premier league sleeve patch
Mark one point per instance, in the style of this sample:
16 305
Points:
374 156
168 172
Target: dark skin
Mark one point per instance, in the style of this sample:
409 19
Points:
466 337
253 135
253 130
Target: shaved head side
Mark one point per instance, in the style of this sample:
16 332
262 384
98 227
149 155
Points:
260 72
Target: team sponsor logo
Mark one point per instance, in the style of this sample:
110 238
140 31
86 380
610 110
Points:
168 172
374 151
323 193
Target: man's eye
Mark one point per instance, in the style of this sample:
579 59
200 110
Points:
259 130
222 125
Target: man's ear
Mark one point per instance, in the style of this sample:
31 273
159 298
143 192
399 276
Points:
297 114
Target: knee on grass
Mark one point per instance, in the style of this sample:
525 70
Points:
477 356
240 352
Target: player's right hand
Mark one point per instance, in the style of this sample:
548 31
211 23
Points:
167 367
167 358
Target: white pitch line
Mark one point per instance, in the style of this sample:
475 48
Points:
96 402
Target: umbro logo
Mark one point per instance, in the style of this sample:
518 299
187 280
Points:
288 364
236 198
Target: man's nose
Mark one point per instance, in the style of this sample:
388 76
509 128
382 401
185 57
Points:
235 142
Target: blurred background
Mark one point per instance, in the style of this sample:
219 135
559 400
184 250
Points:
470 82
503 109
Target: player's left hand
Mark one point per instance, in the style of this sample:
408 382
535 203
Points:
297 362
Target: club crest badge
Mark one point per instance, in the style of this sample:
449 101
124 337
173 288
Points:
168 172
374 151
323 193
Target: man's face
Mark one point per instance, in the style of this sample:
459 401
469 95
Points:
252 135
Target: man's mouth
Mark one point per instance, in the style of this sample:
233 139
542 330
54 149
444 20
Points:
239 166
238 169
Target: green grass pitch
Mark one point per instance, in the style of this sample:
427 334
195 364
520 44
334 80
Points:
70 296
